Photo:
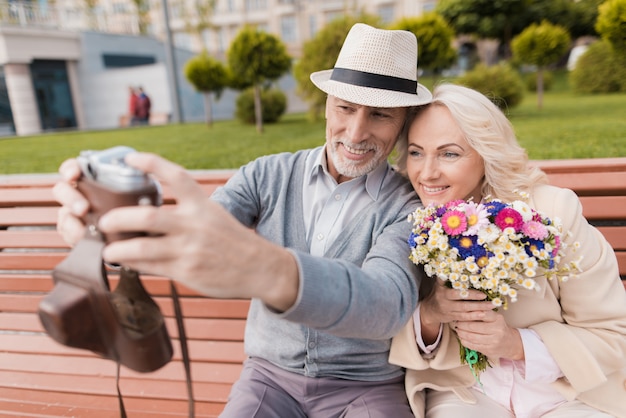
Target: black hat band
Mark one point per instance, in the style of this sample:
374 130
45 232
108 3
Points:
377 81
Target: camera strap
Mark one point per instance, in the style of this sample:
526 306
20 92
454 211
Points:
124 325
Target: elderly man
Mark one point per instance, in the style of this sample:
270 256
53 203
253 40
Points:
316 238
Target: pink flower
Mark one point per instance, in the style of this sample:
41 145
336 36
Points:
535 230
477 218
557 245
509 218
454 222
454 203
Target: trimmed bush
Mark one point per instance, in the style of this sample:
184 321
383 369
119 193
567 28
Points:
273 105
501 83
599 70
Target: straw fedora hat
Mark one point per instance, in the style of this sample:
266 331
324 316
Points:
376 68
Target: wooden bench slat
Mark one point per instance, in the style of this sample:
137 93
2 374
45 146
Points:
230 352
191 307
42 196
32 238
31 260
28 216
63 404
38 282
615 235
603 207
195 328
621 261
105 385
204 371
581 165
592 184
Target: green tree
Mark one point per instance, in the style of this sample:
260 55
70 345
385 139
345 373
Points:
504 19
434 40
207 75
256 58
496 19
577 16
501 83
320 53
611 24
541 45
583 17
599 70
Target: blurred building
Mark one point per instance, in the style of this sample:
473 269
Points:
67 64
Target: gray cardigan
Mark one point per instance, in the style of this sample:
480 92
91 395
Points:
352 300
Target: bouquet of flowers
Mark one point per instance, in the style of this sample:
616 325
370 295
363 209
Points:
493 247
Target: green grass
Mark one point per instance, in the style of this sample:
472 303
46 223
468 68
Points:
227 144
571 126
568 126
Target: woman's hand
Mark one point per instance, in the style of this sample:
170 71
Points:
445 305
491 336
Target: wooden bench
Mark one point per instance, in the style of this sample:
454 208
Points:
156 118
41 378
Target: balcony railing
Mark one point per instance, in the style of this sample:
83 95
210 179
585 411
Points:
33 15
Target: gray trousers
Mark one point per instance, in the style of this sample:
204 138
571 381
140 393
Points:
266 391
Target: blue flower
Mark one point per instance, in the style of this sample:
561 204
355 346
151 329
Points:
468 246
532 245
494 207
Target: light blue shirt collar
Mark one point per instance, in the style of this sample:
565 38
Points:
317 164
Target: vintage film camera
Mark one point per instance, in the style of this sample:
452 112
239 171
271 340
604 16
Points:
82 311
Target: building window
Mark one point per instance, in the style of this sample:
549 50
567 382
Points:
312 25
221 39
386 13
256 4
183 40
288 31
429 5
120 8
6 115
206 38
120 61
330 16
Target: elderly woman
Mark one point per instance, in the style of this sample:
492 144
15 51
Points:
556 352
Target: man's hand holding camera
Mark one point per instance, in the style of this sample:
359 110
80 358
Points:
196 242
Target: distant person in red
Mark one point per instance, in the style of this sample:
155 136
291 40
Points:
133 101
143 107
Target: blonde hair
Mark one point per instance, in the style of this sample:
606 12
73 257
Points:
489 132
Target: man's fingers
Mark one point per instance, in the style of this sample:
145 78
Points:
70 170
149 219
70 198
184 188
69 226
149 250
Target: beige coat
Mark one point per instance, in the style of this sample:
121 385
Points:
585 332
